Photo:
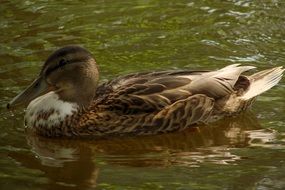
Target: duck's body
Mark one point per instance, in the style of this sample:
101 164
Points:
137 104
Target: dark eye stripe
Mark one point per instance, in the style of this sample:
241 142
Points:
62 63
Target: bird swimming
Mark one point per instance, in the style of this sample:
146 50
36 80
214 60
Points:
66 99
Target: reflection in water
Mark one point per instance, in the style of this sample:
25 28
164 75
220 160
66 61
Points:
65 164
75 163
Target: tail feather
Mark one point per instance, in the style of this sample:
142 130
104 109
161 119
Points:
231 66
263 81
231 72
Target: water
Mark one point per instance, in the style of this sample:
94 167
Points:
246 152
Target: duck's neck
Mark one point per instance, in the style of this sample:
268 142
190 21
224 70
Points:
48 114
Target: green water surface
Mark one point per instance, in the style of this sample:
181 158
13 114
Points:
245 152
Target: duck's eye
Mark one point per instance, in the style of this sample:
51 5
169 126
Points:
63 62
37 84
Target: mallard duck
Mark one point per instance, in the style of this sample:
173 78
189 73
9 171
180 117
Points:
67 100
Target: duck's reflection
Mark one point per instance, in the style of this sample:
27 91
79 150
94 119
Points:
68 163
65 164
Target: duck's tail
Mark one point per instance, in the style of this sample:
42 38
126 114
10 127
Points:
263 81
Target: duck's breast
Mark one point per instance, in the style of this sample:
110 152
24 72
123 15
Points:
48 110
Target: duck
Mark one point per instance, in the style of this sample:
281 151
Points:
67 99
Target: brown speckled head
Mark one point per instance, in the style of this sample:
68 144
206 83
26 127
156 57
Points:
71 72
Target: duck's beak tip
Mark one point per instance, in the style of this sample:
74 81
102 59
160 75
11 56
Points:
38 87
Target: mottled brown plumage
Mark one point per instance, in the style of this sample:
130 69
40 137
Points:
136 104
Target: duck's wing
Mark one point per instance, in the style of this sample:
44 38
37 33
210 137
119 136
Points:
144 92
153 91
139 78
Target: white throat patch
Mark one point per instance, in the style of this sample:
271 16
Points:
48 110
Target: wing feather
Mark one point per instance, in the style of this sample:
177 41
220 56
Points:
152 91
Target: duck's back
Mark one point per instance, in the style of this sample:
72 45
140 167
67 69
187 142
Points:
146 92
152 91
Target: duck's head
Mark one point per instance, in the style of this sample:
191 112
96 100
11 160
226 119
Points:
70 72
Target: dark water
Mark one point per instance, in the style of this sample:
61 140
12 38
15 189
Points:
247 152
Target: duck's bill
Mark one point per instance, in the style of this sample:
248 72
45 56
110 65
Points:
37 88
